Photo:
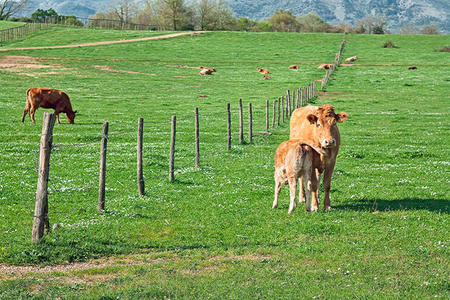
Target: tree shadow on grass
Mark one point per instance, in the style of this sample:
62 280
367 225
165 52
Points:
438 205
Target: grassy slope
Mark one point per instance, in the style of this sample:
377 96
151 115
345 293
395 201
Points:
8 24
386 237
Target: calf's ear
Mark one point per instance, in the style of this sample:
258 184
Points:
341 117
311 118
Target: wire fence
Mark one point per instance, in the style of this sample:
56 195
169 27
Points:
272 115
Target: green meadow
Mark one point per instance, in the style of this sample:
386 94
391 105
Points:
212 233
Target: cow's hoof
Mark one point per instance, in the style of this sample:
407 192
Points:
314 208
275 205
301 200
327 208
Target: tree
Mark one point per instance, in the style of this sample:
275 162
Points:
172 12
147 16
11 7
429 29
284 21
372 24
313 23
408 29
41 15
125 11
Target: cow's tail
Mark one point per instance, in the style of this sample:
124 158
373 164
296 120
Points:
28 103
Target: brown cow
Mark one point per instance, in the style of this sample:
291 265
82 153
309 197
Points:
293 67
351 59
48 98
318 126
266 77
206 71
263 71
293 160
324 66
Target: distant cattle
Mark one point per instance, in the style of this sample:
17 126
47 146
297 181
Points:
266 77
412 68
48 98
293 67
293 160
324 66
263 71
206 71
351 59
317 126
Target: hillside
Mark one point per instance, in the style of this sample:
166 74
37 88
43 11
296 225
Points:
397 12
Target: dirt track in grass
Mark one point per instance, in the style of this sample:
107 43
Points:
160 37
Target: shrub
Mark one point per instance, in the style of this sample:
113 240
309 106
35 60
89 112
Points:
389 44
443 49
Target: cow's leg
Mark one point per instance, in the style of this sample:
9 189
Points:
26 111
293 191
32 112
315 179
309 177
301 191
327 185
278 184
57 118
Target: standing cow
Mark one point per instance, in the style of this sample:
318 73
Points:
318 126
48 98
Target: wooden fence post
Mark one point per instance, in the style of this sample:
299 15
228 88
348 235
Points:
40 219
102 175
279 111
241 123
173 133
282 109
288 100
140 173
197 140
250 123
267 116
294 100
274 113
228 127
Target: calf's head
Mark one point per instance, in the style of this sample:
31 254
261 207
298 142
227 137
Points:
325 120
71 116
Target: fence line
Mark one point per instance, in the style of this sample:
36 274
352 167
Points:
19 32
282 106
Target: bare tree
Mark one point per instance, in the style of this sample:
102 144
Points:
125 10
11 7
429 29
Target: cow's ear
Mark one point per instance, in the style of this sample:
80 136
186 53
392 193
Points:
312 118
341 117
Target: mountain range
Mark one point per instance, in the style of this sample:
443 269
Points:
397 13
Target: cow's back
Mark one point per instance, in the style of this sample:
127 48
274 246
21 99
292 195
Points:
48 98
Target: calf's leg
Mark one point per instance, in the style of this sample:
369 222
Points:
293 191
278 184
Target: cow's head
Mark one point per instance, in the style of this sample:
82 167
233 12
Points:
325 121
71 116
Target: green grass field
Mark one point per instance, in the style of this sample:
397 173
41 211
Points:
8 24
212 233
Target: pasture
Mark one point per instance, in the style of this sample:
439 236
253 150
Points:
212 232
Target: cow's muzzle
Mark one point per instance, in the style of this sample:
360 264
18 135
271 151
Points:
328 143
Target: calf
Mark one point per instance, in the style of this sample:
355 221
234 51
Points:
324 66
206 71
293 160
293 67
48 98
263 71
351 59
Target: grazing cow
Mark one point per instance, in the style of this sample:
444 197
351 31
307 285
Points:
351 59
48 98
266 77
263 71
293 67
412 68
293 160
317 126
324 66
